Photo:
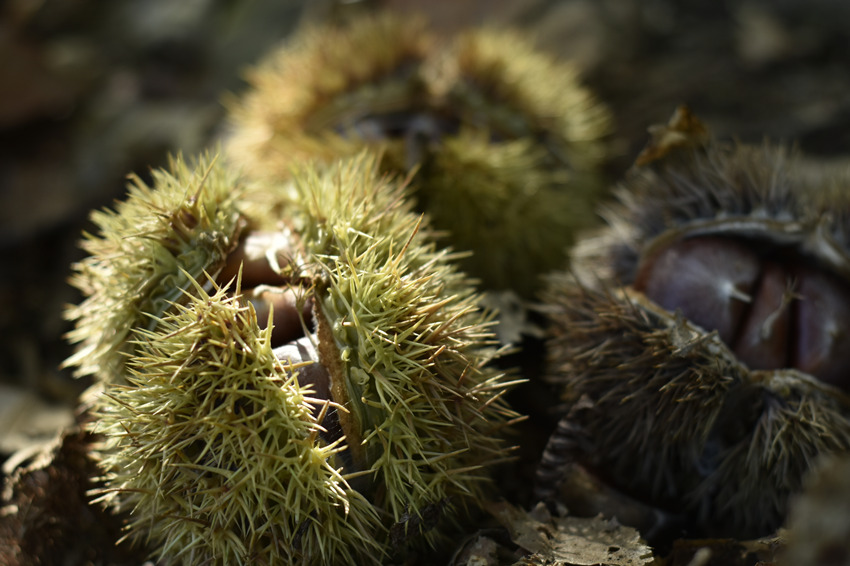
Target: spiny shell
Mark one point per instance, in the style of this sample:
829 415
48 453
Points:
521 174
400 326
309 97
690 184
214 450
148 250
359 440
665 409
506 142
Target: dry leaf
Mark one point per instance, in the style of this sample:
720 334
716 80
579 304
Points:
571 541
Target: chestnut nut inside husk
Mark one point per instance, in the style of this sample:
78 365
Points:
293 334
773 306
700 340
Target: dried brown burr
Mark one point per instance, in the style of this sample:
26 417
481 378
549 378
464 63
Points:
701 338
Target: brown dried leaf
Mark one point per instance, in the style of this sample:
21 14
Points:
571 541
28 424
683 130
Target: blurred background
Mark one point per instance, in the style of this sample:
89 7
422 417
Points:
91 90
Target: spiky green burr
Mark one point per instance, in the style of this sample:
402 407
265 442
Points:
506 143
147 252
314 98
370 434
213 447
400 329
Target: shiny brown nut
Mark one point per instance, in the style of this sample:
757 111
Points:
773 308
711 280
291 310
255 257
